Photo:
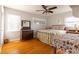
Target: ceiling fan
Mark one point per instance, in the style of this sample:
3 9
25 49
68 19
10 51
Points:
46 9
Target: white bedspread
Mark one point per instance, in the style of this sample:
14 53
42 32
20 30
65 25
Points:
46 35
56 32
60 39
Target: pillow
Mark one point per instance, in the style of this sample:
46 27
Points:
58 27
70 28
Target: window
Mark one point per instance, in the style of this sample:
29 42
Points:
13 22
72 22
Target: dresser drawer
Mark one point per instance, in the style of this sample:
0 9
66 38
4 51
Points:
27 35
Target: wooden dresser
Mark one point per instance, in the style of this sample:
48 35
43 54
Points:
27 34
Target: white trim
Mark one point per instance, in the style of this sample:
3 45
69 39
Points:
2 23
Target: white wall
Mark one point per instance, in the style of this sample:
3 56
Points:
58 18
24 16
0 18
42 23
0 24
75 10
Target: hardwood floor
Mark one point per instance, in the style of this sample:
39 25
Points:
0 49
32 46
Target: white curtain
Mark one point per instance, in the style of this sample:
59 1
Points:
12 27
13 22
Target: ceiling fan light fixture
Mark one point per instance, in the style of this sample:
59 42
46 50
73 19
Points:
47 10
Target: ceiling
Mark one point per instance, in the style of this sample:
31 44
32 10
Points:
32 8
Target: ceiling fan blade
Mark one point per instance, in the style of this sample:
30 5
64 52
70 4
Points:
44 12
44 7
39 10
52 8
50 11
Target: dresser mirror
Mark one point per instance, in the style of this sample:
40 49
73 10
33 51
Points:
26 24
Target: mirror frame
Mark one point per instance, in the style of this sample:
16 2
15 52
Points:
22 22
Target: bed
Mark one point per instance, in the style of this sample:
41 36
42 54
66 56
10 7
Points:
67 42
46 35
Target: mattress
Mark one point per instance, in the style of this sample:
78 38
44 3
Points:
47 35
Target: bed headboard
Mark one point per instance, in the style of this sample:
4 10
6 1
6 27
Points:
56 27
